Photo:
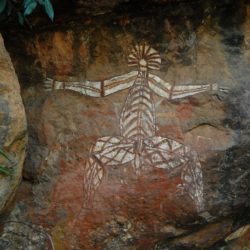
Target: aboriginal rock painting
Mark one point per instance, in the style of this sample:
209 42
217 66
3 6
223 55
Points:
138 143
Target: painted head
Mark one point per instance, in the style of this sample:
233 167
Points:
144 58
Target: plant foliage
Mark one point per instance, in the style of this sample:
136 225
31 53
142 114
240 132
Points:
5 170
24 8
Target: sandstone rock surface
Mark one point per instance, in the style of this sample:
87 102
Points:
131 212
13 131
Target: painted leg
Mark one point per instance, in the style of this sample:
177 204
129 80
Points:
169 154
93 175
107 151
193 179
160 152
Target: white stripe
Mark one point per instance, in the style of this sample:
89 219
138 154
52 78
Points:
83 91
118 88
120 78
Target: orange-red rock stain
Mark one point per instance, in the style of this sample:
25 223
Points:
184 111
147 203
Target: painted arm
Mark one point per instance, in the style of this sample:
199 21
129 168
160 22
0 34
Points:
94 88
165 89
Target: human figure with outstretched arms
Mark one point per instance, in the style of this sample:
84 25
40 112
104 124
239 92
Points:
137 143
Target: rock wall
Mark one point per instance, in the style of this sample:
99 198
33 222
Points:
13 131
192 187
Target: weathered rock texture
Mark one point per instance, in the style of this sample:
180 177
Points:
13 133
198 44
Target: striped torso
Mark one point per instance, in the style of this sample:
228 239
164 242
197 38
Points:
138 116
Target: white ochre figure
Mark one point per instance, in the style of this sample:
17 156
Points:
137 143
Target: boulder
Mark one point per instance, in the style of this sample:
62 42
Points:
13 130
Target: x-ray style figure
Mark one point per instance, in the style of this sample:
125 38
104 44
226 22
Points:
138 143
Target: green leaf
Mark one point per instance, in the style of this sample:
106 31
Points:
5 171
49 9
4 155
2 5
27 2
20 18
30 8
41 2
